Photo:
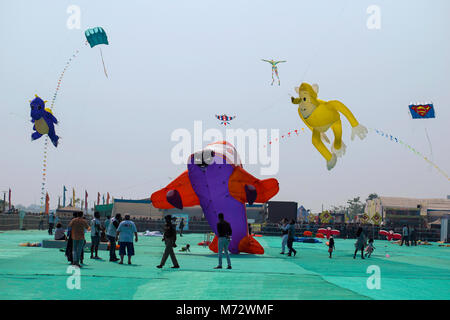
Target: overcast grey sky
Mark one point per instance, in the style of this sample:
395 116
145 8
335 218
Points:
173 62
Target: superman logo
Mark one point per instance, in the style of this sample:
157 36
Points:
422 110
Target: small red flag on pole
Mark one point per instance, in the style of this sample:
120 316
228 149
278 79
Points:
47 203
86 200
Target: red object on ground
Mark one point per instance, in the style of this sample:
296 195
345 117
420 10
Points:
204 243
319 235
307 234
247 245
214 245
250 245
256 235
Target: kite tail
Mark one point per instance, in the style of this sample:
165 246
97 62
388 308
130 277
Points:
392 138
61 76
44 174
44 163
104 68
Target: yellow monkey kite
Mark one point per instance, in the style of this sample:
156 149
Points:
320 116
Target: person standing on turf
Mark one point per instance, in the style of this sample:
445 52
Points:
69 246
78 227
51 223
181 226
111 233
125 235
331 246
169 237
107 222
405 236
412 236
284 234
291 237
95 234
223 233
360 243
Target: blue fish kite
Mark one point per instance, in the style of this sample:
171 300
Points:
422 110
44 121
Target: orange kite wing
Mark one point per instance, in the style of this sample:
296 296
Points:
265 189
183 185
249 245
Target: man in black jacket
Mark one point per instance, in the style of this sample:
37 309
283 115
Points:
170 237
223 233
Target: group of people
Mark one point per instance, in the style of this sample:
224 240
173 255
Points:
124 231
362 245
288 236
115 229
409 236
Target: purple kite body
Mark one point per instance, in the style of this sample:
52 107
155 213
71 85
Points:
211 186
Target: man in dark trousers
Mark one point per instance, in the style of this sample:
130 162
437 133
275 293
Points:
224 234
69 245
405 235
51 223
291 237
170 237
111 233
181 226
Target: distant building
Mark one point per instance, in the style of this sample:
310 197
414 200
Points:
135 208
66 212
412 211
144 208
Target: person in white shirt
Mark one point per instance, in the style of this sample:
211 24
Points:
111 233
96 228
405 237
125 233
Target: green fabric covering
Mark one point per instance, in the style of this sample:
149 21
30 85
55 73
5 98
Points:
105 210
421 272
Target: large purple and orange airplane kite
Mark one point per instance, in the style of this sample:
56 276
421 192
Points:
216 180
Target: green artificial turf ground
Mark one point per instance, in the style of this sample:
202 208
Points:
421 272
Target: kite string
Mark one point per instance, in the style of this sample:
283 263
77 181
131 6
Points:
104 68
318 47
429 143
392 138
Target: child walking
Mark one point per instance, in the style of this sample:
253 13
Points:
369 248
331 246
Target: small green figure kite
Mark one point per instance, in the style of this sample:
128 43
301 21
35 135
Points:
274 69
